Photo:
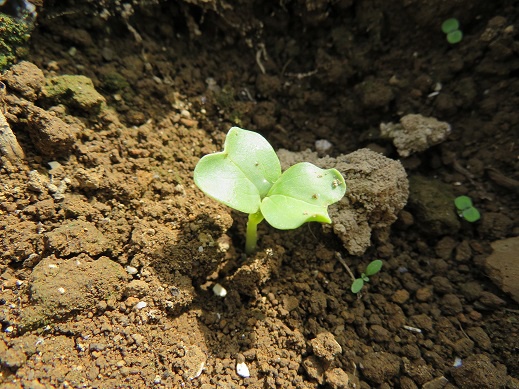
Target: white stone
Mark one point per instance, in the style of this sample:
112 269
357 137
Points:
242 370
219 290
141 304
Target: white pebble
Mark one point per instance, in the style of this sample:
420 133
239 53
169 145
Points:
242 370
413 329
457 362
219 290
322 145
141 304
131 270
61 290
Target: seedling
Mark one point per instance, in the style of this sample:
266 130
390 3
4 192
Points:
451 29
372 269
247 176
466 210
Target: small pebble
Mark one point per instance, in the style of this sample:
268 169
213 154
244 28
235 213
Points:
141 304
131 270
242 370
219 290
322 146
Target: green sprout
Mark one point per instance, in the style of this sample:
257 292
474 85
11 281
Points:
247 176
451 28
466 210
372 269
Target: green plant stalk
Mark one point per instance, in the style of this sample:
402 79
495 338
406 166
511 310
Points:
251 237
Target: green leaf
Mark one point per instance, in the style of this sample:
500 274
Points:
450 25
374 267
462 202
454 37
302 194
471 214
242 174
357 285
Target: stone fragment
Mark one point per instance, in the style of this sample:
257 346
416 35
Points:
415 133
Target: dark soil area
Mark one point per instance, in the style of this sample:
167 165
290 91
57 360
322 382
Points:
109 252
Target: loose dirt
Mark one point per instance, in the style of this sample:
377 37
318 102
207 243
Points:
109 252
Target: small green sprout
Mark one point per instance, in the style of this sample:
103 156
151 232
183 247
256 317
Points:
450 27
247 176
372 269
466 210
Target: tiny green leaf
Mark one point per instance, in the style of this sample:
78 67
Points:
242 174
302 194
454 37
471 214
374 267
450 25
357 285
364 277
462 202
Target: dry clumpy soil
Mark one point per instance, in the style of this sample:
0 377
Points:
109 253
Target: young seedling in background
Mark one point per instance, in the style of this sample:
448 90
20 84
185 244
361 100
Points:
372 269
450 27
466 210
247 176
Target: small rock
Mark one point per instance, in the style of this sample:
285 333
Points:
242 370
379 333
415 133
26 79
477 371
141 305
336 378
400 296
424 294
379 367
325 346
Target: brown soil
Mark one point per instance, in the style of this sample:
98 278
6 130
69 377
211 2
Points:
109 252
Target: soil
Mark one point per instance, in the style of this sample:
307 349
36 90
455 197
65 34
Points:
109 253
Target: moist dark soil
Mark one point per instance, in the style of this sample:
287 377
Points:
109 252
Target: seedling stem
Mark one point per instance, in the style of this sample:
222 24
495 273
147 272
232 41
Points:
251 237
